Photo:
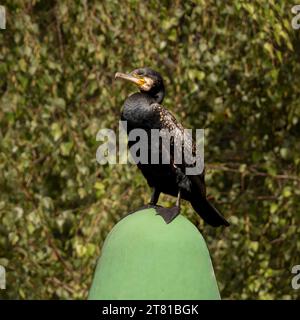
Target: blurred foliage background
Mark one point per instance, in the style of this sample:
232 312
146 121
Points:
231 67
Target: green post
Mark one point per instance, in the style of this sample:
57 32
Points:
145 258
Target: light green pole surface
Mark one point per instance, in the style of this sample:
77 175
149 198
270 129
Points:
145 258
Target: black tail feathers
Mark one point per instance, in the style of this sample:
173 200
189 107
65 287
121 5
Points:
209 213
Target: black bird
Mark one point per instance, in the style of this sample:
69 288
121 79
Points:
143 110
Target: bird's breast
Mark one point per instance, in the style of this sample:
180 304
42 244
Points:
139 113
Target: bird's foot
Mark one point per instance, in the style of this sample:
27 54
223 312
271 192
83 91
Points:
168 214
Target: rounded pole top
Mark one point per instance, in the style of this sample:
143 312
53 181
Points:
145 258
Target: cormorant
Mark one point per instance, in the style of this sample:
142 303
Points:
143 110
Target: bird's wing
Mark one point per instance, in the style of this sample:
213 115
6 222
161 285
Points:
187 147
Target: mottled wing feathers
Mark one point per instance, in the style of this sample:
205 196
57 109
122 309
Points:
169 122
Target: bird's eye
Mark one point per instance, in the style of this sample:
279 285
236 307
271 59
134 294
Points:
139 72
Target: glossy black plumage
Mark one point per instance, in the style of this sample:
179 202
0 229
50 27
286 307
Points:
143 110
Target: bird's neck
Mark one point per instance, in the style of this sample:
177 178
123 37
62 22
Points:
157 95
138 110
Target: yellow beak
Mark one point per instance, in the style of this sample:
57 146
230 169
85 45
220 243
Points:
130 77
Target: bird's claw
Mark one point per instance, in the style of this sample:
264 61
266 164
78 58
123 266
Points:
168 214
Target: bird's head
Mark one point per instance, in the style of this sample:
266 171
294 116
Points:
147 80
